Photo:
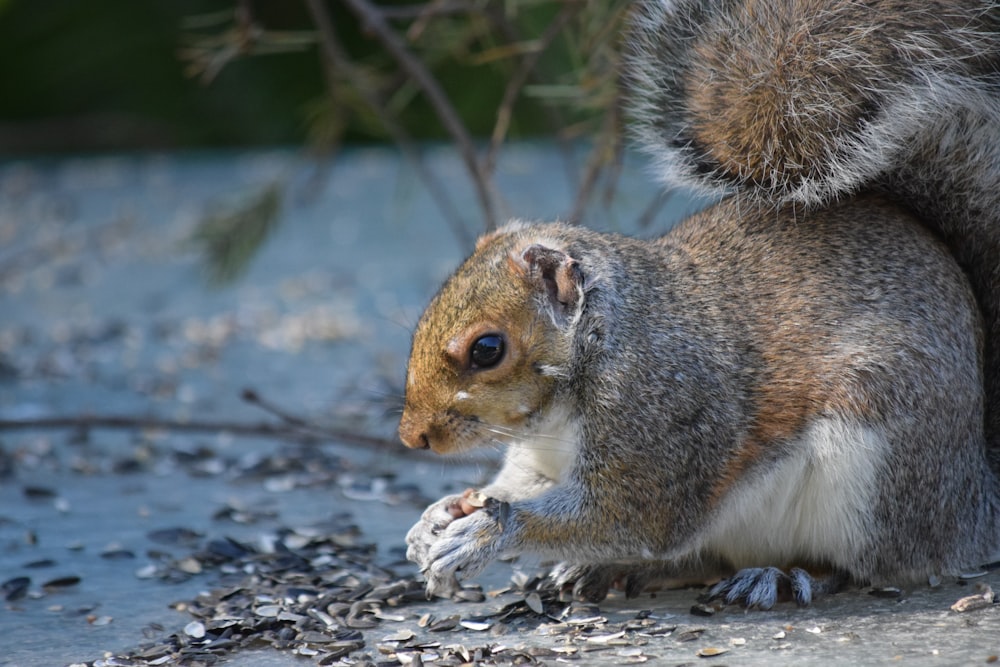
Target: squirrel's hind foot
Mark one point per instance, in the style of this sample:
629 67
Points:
763 587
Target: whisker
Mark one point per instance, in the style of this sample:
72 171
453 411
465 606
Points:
519 433
523 435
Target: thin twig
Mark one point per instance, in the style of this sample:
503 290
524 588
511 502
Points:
654 207
446 113
336 58
427 13
597 162
516 83
434 8
252 429
555 117
253 398
292 428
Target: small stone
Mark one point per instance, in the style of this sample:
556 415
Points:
690 635
444 624
401 636
16 588
889 592
146 572
701 609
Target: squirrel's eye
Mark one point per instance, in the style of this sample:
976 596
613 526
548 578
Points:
487 351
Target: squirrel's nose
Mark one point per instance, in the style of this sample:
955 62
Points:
412 435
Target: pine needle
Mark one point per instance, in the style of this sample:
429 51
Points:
228 240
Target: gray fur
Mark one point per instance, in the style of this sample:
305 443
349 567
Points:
808 372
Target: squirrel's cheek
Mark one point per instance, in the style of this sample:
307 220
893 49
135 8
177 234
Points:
511 409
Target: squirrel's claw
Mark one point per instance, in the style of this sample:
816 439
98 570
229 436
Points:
442 585
591 583
763 587
587 583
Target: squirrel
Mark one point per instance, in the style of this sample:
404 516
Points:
796 388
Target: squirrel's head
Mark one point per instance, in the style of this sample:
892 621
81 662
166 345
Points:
491 347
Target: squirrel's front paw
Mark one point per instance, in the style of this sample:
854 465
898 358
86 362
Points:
762 587
468 545
425 532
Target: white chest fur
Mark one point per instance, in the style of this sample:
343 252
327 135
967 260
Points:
815 505
551 450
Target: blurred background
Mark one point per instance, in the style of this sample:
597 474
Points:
219 223
125 75
119 75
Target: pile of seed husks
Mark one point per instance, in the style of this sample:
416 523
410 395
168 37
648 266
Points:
309 591
318 593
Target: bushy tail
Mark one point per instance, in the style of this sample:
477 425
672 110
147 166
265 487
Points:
805 101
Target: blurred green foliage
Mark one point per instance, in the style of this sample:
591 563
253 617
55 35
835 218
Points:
167 74
107 74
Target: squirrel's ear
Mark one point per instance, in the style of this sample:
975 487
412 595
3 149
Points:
555 272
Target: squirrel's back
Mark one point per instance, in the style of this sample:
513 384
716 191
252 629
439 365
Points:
808 101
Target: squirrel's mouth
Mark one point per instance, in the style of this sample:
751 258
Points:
450 434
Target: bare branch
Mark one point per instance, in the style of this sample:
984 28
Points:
152 422
606 152
336 58
433 8
654 207
438 100
516 83
555 117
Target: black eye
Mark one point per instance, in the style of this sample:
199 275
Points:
487 351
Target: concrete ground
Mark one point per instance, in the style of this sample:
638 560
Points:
106 311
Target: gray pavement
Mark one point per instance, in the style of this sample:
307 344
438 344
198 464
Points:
104 309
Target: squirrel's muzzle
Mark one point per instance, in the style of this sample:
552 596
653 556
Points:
413 433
